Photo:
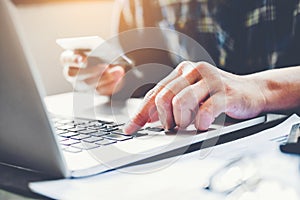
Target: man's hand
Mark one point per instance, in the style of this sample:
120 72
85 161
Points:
196 93
104 78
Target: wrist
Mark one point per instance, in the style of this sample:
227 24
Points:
260 93
279 87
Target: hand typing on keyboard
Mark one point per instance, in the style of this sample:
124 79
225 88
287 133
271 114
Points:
196 93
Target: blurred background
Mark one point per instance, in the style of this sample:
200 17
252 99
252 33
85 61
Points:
43 21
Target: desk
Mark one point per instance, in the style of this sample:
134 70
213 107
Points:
16 180
10 196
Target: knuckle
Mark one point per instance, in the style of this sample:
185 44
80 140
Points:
164 101
200 66
151 95
159 99
203 66
183 63
183 66
190 69
196 73
206 111
178 102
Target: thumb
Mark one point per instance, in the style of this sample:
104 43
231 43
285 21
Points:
117 72
69 58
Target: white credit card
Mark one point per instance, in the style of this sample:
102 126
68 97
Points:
99 50
75 43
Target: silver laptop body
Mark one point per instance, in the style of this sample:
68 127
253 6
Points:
27 135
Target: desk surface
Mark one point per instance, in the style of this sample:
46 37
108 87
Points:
14 180
10 196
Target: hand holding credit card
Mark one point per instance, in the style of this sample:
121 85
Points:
97 50
91 63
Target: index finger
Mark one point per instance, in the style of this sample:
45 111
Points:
69 57
148 107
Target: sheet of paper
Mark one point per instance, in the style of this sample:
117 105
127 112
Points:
183 177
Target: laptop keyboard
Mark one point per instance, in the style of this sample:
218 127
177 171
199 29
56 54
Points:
76 135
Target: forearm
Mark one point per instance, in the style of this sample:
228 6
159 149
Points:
280 87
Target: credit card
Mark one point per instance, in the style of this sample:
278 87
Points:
99 51
88 43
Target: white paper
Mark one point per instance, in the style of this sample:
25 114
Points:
183 178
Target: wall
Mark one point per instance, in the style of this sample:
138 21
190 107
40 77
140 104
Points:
44 23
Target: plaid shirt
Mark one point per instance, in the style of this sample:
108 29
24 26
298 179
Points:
241 36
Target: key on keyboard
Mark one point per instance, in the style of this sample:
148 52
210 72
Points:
76 135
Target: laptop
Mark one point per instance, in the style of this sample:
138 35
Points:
61 146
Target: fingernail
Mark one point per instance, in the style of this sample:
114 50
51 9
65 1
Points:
130 127
206 123
127 129
186 117
163 118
